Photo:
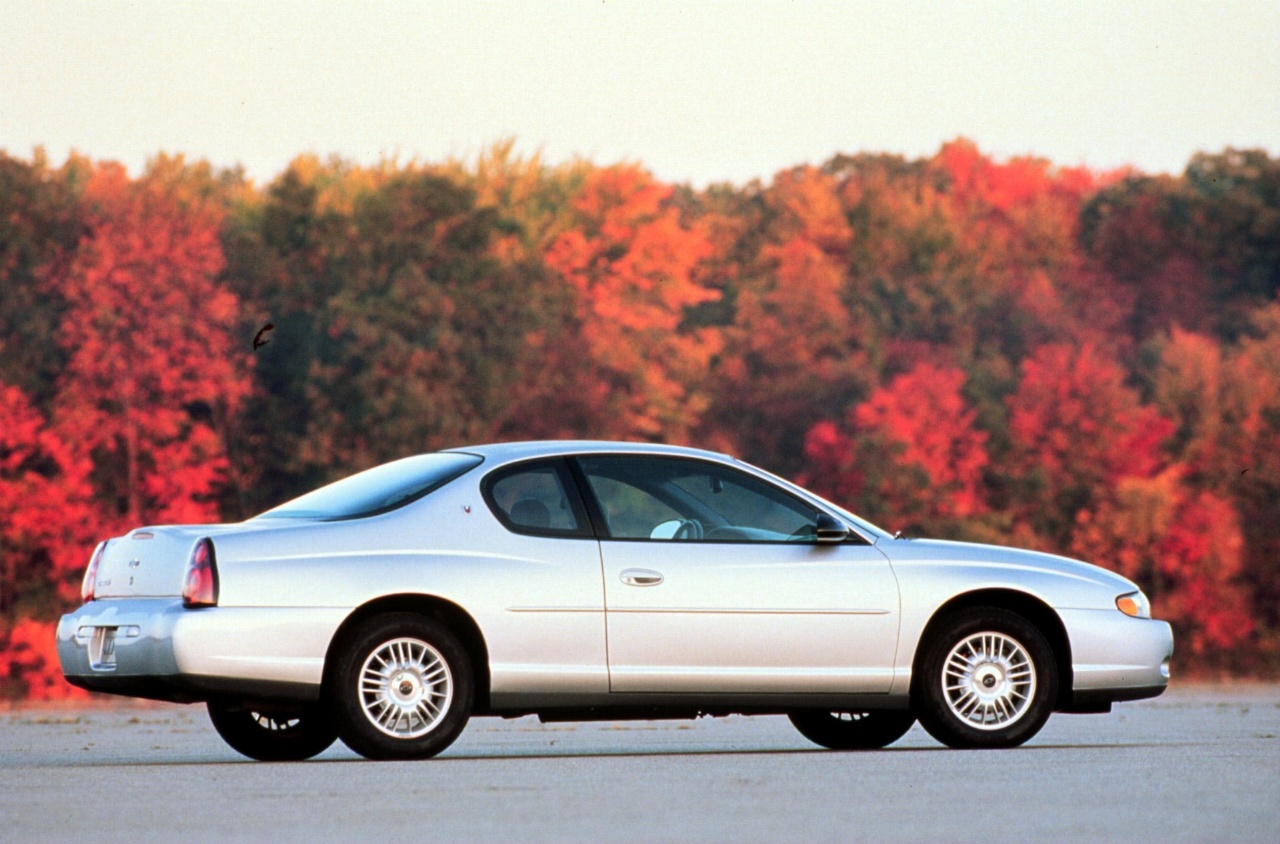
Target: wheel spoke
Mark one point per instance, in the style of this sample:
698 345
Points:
405 687
988 680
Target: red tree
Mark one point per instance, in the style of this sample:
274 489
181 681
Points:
29 666
47 521
152 365
915 457
832 465
1076 429
47 526
923 418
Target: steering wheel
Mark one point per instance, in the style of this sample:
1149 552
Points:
689 529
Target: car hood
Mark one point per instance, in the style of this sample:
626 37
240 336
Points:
998 556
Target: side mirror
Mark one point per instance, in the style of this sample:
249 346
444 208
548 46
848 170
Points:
830 529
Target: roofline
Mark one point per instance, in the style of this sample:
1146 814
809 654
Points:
545 448
513 452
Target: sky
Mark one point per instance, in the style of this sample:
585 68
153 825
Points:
697 92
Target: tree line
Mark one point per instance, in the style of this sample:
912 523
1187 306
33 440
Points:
1001 351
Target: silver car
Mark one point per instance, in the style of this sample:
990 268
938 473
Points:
596 580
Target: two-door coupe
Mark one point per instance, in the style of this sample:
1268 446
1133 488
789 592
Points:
596 580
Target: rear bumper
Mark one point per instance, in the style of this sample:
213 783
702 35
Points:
1115 657
180 688
156 648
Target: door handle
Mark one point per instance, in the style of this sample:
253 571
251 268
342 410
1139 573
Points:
640 577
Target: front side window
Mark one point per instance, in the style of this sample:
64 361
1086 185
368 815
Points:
661 498
536 498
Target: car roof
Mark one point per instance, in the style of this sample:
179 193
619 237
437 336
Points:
502 452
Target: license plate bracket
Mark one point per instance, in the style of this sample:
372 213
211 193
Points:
102 649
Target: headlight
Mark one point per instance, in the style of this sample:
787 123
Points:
1134 604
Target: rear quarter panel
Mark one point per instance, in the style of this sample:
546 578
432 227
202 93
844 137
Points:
538 601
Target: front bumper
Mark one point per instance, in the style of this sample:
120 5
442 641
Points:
1115 657
156 648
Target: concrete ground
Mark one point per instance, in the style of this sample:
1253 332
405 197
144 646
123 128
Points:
1201 763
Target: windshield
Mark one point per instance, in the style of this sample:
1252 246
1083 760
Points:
377 490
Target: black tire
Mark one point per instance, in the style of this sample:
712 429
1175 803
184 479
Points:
854 730
423 696
273 736
988 703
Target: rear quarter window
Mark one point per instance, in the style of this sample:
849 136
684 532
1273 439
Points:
538 498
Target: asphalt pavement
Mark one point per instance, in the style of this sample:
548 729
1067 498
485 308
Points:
1201 763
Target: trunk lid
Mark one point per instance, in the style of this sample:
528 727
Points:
150 562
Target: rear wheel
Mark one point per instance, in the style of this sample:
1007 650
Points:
402 688
860 730
283 736
989 679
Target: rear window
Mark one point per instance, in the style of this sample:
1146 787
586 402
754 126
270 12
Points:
377 490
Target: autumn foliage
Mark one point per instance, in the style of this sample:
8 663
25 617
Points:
1001 351
150 360
910 450
620 361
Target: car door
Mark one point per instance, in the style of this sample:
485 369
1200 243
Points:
714 582
548 637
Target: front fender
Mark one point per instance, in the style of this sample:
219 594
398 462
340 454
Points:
931 575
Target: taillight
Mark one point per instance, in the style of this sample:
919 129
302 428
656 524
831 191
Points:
91 574
200 588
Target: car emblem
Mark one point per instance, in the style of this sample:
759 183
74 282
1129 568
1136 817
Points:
466 508
133 564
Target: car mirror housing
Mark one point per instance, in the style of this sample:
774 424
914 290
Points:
830 529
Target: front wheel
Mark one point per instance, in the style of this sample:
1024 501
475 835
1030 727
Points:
285 736
402 688
865 730
988 680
